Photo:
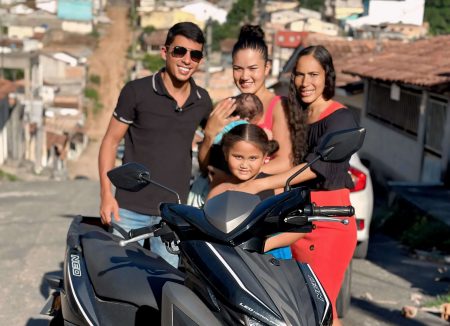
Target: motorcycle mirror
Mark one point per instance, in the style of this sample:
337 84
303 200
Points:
130 176
338 146
133 177
335 147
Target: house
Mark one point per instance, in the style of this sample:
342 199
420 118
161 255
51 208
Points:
8 121
315 25
204 10
76 15
391 11
152 42
335 10
272 6
406 110
164 18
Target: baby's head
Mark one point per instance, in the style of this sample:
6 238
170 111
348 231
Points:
248 107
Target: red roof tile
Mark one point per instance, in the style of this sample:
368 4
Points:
423 63
346 53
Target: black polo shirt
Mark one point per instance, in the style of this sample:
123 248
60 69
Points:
159 137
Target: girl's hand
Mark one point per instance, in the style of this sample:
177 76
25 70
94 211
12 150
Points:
220 117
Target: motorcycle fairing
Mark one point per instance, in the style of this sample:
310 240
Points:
226 272
291 285
78 285
128 274
233 217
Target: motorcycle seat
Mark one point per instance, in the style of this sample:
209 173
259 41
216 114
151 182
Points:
127 274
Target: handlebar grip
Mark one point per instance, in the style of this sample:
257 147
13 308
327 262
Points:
140 231
333 211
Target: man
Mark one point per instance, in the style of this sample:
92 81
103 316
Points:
158 116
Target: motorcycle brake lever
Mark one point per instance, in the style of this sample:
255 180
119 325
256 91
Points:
123 243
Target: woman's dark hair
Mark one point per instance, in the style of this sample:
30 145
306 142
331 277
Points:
187 29
251 37
297 114
249 133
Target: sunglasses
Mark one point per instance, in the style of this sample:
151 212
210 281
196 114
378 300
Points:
180 52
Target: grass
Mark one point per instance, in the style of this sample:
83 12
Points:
415 229
440 299
5 176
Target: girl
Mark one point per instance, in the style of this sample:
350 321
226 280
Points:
245 148
329 248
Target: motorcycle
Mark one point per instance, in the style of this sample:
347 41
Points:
224 278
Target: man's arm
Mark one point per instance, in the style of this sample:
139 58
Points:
106 161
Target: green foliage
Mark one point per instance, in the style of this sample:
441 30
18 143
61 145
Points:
312 4
5 176
427 234
240 13
95 33
95 79
416 230
437 14
91 94
153 62
148 29
13 74
440 299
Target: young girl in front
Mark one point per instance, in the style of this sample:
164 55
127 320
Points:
245 148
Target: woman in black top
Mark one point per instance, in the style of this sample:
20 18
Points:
329 248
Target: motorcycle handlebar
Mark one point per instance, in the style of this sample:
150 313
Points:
144 230
330 211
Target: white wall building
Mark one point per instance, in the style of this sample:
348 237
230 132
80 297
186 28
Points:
204 10
392 11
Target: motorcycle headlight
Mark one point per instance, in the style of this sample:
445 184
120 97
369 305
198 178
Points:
251 322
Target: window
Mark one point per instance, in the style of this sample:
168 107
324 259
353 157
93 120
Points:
402 115
434 132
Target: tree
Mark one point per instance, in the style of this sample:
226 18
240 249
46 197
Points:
240 13
153 62
437 14
312 4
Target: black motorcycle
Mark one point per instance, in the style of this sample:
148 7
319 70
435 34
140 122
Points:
224 278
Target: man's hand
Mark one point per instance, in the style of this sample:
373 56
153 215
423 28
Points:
108 207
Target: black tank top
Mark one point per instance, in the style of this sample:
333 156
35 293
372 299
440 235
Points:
265 193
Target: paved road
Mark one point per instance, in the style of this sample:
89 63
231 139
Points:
34 217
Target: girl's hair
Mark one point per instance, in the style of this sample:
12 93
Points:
251 37
297 114
249 133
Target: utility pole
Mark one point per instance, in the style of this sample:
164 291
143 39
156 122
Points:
208 50
133 27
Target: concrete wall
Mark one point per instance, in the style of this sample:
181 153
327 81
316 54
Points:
53 68
393 154
4 115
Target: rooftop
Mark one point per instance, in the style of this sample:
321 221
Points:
423 63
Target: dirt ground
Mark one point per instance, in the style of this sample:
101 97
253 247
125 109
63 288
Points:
109 61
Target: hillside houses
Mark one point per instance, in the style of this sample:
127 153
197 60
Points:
43 125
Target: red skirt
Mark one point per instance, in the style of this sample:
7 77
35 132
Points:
329 248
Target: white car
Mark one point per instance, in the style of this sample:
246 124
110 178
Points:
361 197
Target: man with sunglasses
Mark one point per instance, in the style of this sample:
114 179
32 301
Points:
157 116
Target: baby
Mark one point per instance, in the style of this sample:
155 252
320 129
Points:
250 110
